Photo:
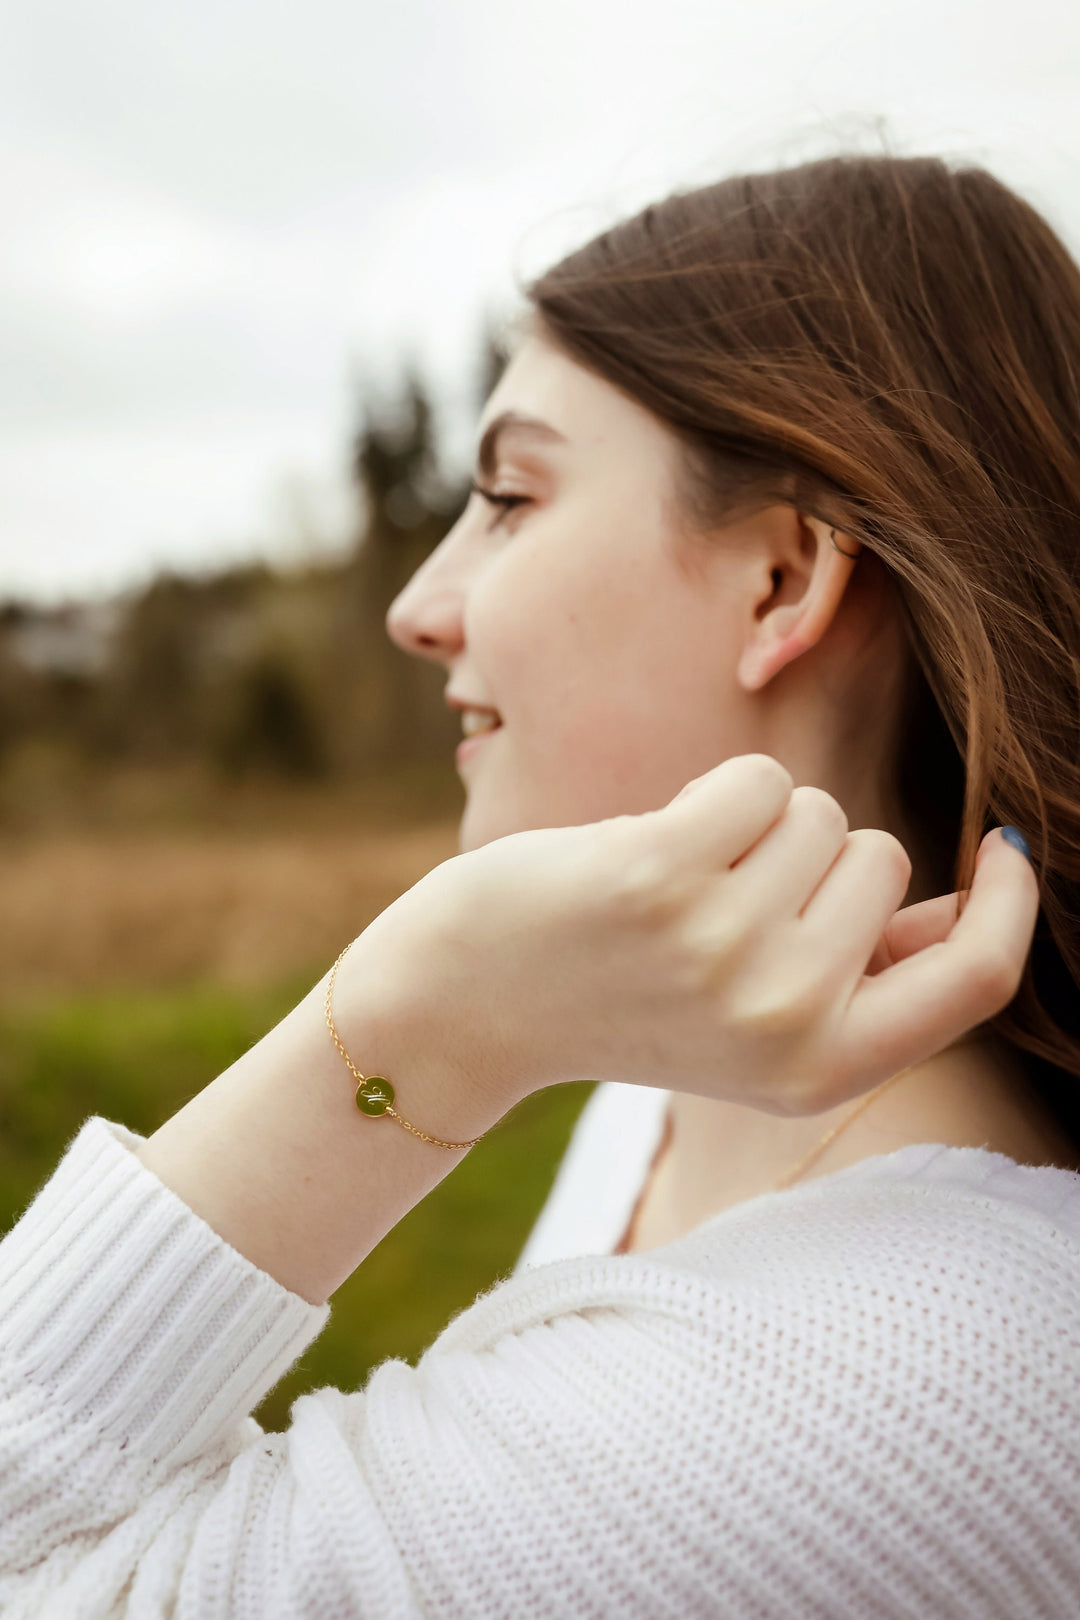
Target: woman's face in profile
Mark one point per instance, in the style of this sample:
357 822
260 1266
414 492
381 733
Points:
576 607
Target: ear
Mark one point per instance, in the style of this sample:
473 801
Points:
808 577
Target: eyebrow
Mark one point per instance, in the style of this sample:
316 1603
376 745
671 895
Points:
512 419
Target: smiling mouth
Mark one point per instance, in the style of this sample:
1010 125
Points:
477 728
475 722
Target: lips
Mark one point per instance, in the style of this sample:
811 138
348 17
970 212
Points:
475 715
468 746
478 721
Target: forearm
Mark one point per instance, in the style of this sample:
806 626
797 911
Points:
276 1157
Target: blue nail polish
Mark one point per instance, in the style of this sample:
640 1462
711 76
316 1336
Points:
1013 836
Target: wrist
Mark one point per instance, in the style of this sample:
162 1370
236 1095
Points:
277 1158
399 1019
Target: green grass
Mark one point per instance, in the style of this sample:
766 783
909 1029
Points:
136 1057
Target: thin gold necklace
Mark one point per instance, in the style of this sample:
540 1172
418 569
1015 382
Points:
791 1176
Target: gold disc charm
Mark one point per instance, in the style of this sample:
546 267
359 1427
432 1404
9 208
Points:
374 1095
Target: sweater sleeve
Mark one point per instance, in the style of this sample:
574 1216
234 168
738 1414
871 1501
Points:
868 1411
134 1342
486 1481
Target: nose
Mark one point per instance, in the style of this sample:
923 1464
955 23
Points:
425 619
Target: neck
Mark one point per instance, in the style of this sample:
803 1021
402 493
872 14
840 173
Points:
971 1094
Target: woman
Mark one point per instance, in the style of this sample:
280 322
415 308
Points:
784 476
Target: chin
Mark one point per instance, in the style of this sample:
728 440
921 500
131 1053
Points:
485 819
489 815
481 826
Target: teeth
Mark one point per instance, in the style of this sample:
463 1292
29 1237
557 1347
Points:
476 720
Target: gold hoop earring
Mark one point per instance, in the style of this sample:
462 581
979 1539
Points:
840 549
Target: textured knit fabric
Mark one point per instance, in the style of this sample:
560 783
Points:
859 1397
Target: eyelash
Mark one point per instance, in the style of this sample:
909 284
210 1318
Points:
505 504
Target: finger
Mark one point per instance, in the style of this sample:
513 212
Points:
847 914
786 866
719 816
913 929
924 1002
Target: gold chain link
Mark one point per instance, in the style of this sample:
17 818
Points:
436 1141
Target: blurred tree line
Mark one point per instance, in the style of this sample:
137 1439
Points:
256 671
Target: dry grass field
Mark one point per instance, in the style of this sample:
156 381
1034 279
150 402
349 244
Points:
89 911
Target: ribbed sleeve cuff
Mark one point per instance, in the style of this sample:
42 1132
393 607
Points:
133 1313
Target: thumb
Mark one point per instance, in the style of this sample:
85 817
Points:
932 996
913 928
930 922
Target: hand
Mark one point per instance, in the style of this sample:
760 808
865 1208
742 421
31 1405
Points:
739 943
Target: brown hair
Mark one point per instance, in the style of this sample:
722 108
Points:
899 343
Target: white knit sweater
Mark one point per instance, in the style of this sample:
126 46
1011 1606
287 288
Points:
859 1397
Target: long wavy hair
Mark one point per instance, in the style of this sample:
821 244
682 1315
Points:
897 342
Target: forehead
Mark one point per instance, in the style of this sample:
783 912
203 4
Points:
545 384
537 376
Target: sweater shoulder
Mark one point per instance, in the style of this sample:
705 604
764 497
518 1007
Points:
964 1227
874 1375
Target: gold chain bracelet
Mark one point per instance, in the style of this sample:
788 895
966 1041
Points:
374 1093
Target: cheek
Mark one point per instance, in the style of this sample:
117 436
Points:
612 682
556 638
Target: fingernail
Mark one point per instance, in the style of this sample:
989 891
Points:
1013 836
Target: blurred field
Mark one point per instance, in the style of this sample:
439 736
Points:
134 967
82 912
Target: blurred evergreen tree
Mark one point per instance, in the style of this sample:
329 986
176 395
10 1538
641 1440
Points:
274 728
409 505
494 356
154 671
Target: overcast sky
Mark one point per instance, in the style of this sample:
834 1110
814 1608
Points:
223 219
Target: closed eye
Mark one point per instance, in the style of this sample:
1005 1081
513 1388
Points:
504 504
